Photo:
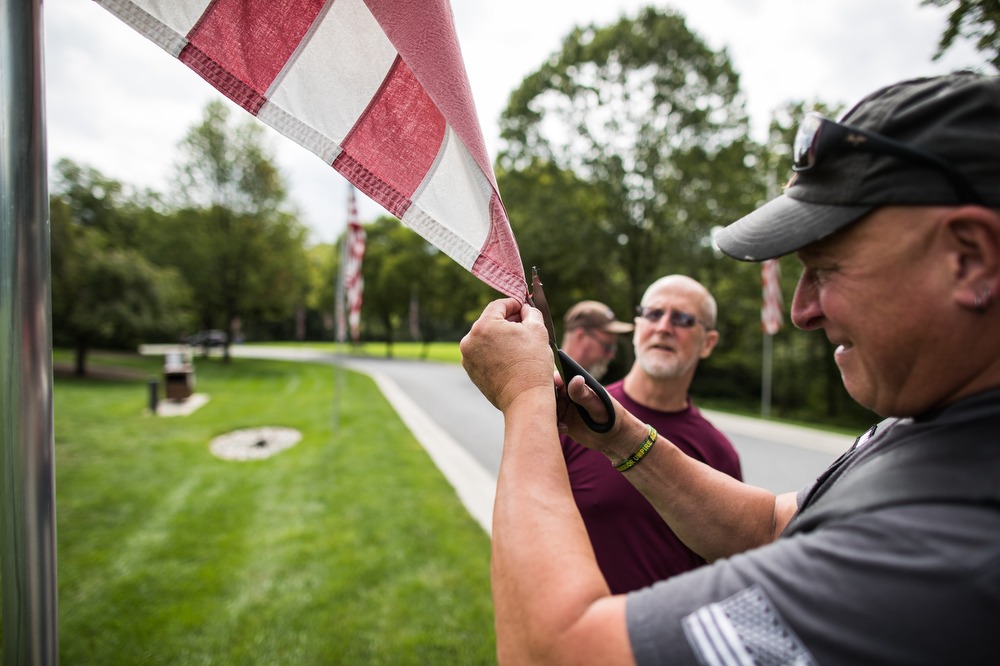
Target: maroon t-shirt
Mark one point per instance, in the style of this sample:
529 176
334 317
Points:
634 547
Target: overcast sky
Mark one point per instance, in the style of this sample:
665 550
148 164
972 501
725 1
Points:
117 102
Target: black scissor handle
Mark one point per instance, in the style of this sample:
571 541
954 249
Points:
571 369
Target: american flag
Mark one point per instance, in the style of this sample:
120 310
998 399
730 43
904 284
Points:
354 283
771 306
376 88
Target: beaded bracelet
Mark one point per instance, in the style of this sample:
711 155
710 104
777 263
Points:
634 459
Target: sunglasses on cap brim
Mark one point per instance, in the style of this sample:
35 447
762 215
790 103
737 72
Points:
818 137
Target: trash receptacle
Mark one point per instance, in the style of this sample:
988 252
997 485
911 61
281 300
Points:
178 376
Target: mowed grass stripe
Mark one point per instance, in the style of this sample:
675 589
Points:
347 549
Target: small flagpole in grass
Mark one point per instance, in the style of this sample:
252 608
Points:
770 312
341 326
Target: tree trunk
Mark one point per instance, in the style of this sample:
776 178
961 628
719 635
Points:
81 359
231 332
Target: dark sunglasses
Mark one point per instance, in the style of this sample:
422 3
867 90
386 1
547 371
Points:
818 136
608 347
677 318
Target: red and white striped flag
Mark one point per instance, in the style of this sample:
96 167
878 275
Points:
376 88
770 310
354 282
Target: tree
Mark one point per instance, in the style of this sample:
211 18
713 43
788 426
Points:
972 19
652 120
241 252
559 221
322 269
398 264
806 378
102 292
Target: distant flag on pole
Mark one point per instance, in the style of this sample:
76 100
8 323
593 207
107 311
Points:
771 306
376 88
354 283
341 316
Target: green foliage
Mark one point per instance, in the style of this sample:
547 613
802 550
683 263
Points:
652 121
398 265
228 166
556 217
624 152
104 290
243 255
127 266
168 555
238 265
972 19
323 262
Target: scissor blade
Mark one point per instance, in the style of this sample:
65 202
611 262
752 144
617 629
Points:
538 301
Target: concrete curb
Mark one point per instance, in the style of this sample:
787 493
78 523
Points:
475 487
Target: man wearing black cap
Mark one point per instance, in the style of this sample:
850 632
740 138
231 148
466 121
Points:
893 554
591 336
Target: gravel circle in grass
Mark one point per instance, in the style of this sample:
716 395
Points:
254 443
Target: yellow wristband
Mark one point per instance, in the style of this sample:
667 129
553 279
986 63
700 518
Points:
634 459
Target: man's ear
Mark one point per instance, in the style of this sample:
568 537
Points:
711 339
972 235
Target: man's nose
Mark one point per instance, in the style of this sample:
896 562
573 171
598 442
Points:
664 323
807 313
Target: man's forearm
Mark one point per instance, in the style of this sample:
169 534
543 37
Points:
711 512
546 583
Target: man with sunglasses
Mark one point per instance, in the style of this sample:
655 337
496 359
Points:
591 336
674 329
893 554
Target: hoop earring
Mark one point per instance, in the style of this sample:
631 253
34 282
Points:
984 298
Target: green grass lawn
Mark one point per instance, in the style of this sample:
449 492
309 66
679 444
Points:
434 351
345 549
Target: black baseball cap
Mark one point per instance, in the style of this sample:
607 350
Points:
955 117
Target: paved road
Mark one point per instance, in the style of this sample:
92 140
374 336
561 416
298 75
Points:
775 456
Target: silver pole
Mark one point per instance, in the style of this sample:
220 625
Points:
768 351
340 311
765 387
27 516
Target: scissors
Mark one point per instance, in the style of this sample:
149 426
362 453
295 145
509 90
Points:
566 366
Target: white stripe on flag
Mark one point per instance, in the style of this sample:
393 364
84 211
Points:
376 88
348 54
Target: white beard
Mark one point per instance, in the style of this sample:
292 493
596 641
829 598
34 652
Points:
598 368
661 366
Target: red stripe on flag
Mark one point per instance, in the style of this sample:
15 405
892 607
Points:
400 133
423 32
374 187
498 252
253 39
221 80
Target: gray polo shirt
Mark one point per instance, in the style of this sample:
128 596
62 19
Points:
916 582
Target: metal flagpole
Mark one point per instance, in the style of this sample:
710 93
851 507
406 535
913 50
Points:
340 316
765 388
27 516
768 351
